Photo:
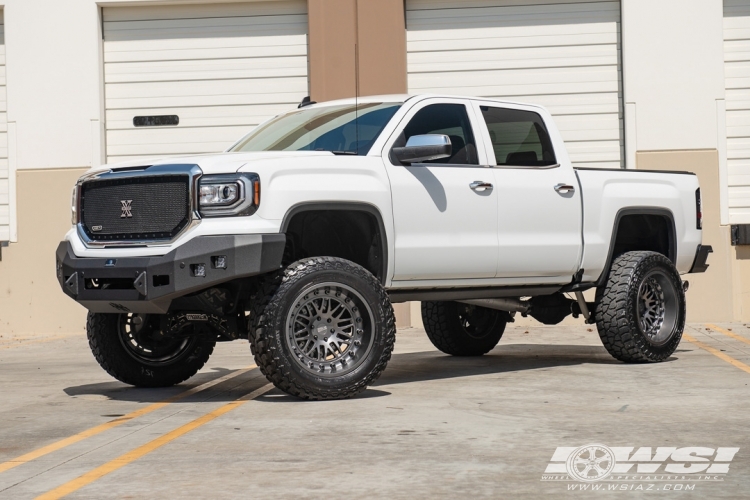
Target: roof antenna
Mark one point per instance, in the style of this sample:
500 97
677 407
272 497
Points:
356 75
356 95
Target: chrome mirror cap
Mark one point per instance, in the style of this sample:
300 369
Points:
421 148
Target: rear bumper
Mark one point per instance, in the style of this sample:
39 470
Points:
150 284
701 256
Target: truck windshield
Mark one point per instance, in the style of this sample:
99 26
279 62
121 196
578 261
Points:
339 129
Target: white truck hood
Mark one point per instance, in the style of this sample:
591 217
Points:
216 163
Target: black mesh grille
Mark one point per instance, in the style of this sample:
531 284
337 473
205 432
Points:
148 207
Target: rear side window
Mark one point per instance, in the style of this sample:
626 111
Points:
519 138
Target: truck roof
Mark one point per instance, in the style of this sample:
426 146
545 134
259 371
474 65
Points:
401 98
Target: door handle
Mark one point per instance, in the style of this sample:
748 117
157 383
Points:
480 186
565 188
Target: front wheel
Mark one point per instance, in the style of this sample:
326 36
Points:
131 348
327 332
462 329
640 312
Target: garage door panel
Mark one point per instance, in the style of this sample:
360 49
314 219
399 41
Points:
576 104
502 14
208 116
290 99
141 13
563 55
511 36
204 88
264 46
208 54
205 28
738 148
512 91
542 76
121 153
222 69
169 135
500 57
493 62
737 84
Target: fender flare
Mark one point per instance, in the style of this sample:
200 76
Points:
344 206
623 212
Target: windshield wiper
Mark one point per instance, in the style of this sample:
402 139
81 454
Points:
344 153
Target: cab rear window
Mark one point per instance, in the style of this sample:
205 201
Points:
518 137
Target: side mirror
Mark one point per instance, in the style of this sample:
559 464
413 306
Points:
421 148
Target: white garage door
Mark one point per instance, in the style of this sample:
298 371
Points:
564 55
4 184
737 74
220 69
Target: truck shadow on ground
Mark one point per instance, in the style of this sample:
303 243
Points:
403 368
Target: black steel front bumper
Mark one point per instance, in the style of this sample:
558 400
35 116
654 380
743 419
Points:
150 284
701 256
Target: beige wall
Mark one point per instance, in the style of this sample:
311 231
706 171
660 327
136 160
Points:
30 298
376 27
710 297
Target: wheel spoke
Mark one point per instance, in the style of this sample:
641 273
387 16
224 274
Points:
322 322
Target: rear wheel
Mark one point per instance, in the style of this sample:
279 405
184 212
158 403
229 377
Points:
640 312
131 348
462 329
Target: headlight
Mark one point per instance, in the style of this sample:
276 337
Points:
227 195
74 205
219 194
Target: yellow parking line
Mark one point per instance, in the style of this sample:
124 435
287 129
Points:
147 448
729 359
45 450
38 341
729 334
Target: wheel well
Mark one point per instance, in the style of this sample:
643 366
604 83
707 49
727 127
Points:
353 234
644 232
653 231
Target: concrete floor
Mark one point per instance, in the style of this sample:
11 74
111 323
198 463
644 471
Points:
432 427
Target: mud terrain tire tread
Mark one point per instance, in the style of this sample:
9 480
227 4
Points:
441 324
101 330
616 301
267 342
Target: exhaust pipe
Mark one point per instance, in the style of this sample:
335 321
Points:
507 305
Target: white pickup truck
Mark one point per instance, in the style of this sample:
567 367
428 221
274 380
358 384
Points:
301 235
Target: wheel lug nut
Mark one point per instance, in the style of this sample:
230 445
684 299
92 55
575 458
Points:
315 337
319 318
325 339
329 320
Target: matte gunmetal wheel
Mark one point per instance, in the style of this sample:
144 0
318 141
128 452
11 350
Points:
328 329
640 312
327 332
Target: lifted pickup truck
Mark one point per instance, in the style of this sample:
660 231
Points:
301 235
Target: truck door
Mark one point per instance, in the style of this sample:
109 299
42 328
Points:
539 203
445 223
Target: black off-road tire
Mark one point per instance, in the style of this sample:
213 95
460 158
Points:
617 310
448 330
273 342
103 332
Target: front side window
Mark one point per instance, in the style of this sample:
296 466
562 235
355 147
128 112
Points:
518 137
445 119
344 129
